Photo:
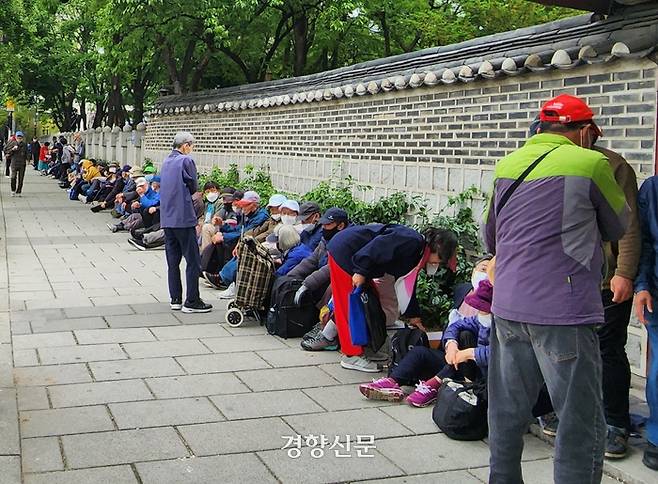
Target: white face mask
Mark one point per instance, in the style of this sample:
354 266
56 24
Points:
431 268
485 320
276 216
477 278
288 219
212 197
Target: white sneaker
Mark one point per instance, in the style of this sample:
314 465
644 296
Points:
359 363
82 198
228 293
13 194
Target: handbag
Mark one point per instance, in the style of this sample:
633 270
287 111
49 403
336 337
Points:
375 318
357 320
461 410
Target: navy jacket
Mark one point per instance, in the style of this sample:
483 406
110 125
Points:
253 220
293 257
178 181
311 236
647 203
375 249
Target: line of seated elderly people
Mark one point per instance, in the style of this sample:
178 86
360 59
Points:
299 238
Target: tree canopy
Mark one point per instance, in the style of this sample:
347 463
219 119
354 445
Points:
104 61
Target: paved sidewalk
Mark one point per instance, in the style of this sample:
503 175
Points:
113 387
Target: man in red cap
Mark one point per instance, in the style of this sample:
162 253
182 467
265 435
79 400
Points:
554 201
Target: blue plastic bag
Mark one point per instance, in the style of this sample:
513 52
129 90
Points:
357 318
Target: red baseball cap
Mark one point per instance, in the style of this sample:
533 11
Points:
567 109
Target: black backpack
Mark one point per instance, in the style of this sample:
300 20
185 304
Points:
284 318
461 410
402 341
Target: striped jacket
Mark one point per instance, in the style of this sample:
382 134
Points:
548 237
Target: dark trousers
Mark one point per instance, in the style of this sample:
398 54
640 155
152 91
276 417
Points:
179 243
150 219
7 164
214 256
616 369
17 176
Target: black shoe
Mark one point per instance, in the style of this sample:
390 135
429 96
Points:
138 234
549 424
616 444
176 304
96 208
138 244
197 307
214 280
650 458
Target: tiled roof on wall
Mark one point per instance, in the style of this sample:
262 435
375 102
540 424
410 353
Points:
563 44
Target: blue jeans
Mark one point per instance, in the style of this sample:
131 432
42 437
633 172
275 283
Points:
523 357
652 377
230 271
179 243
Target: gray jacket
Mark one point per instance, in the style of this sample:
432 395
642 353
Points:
314 269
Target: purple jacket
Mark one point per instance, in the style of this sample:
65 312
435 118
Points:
178 181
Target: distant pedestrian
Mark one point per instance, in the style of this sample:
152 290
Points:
17 156
35 149
178 219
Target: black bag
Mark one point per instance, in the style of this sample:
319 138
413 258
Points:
461 410
284 318
375 318
402 341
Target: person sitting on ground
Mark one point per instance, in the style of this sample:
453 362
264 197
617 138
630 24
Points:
115 184
393 253
310 230
219 208
274 207
124 199
479 273
314 271
465 355
154 237
292 250
149 201
216 255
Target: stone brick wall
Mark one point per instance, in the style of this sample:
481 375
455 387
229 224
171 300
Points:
430 141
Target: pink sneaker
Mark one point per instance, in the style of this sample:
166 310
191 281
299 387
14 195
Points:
423 396
383 389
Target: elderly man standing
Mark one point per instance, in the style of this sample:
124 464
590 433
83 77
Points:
16 152
554 201
178 182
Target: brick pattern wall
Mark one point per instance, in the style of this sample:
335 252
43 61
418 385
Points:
430 141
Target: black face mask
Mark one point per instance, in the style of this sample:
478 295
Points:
329 234
228 207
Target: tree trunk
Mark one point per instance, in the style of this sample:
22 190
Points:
386 33
115 112
139 94
300 42
83 114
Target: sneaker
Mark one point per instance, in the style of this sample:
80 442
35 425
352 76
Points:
549 423
176 304
214 280
313 332
13 194
650 457
112 227
138 244
197 307
19 195
359 363
82 198
229 292
423 396
382 389
319 343
616 444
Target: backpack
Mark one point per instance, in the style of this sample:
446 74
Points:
284 318
402 341
461 409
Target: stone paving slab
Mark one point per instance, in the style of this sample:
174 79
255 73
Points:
160 413
285 378
74 354
122 474
43 340
44 423
122 447
217 363
32 398
209 332
124 335
41 455
165 348
9 442
245 468
128 369
11 469
141 320
68 324
266 404
98 393
196 385
51 375
236 436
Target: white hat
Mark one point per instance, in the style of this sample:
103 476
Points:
291 205
276 200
